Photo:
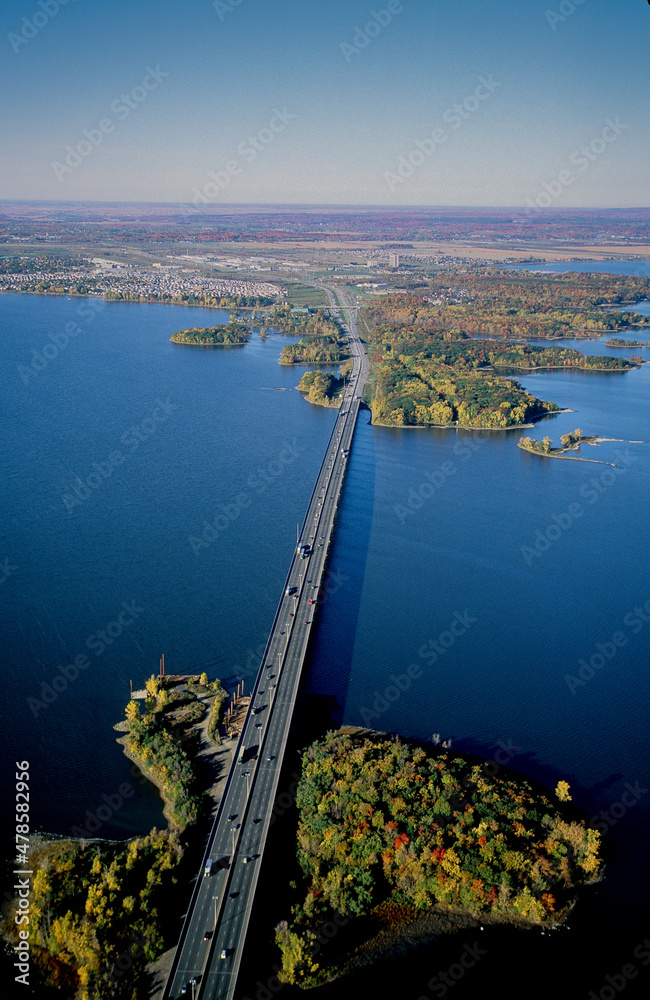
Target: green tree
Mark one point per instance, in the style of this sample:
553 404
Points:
152 687
132 712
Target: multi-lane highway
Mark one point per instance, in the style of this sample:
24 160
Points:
207 959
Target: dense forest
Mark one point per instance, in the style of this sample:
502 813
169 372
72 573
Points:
314 351
483 353
213 336
415 390
428 375
383 823
100 912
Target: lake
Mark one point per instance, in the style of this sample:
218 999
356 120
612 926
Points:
435 527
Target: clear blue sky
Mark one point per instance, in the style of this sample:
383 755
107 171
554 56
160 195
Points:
349 116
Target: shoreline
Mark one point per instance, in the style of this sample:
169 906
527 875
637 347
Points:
396 940
183 343
289 364
569 368
333 405
463 427
149 776
561 452
135 302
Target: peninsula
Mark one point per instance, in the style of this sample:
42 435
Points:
96 902
426 374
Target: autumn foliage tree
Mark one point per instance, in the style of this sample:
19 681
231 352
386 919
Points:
381 821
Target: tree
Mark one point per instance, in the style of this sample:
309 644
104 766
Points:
203 679
132 712
547 443
152 687
562 791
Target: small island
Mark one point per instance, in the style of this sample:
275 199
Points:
397 842
232 334
620 342
318 350
569 442
322 388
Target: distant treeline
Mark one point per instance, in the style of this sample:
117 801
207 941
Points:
518 305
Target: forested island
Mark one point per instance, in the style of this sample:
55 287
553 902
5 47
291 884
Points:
322 388
427 375
388 833
230 334
314 350
412 390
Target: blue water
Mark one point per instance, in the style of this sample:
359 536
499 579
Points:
640 268
223 442
433 570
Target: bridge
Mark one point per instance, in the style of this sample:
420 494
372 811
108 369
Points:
208 956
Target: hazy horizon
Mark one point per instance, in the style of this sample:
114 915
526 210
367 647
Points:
325 206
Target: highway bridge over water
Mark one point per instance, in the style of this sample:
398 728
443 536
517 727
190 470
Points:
221 903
